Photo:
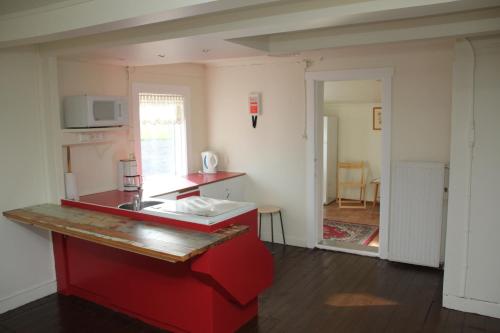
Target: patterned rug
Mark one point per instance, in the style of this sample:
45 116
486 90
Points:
361 234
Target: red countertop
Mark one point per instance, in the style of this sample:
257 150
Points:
199 178
179 184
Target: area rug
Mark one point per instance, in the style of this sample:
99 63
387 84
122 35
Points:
361 234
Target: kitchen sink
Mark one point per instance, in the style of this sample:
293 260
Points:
144 204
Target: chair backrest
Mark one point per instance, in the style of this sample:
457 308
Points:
352 166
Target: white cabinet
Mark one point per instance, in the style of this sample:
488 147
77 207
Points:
483 266
229 189
472 269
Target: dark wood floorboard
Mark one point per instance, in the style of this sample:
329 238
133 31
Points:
313 291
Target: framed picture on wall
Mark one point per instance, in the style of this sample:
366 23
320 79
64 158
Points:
377 118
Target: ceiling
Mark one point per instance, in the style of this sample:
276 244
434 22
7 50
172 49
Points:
180 50
26 22
207 30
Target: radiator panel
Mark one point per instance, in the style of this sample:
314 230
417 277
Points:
416 212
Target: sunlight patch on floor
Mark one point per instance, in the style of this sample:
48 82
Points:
358 299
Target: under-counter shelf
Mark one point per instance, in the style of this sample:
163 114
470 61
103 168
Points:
85 136
95 129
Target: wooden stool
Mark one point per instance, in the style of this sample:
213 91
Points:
271 210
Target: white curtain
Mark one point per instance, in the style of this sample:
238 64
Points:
170 106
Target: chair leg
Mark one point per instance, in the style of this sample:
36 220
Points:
339 198
272 229
376 195
364 196
282 229
260 223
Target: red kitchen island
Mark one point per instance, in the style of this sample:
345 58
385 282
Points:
151 268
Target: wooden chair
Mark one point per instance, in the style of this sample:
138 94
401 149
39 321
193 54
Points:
351 169
376 184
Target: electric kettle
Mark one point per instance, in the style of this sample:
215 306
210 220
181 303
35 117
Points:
209 161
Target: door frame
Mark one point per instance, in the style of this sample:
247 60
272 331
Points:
314 150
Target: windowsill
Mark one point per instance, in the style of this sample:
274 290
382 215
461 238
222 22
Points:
165 185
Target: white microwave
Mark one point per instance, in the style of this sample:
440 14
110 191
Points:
94 111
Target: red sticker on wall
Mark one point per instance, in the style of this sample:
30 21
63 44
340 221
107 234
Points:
254 108
254 103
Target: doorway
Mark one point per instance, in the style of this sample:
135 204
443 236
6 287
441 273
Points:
323 209
352 150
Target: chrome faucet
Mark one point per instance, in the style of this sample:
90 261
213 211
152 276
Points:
137 201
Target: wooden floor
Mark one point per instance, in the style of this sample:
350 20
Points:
314 291
369 215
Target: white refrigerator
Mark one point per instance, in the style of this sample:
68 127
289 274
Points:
330 150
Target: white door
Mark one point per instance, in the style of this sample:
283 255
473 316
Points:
484 238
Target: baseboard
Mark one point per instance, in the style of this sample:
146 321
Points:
346 250
266 236
27 295
472 305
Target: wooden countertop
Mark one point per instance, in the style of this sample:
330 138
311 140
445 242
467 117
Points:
149 239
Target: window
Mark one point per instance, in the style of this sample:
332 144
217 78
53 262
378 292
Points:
163 137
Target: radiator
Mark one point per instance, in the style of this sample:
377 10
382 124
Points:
416 212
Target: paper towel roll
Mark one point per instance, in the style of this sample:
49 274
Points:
70 185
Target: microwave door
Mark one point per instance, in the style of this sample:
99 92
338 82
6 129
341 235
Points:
103 113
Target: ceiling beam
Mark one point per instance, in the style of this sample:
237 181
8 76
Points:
481 22
74 18
270 18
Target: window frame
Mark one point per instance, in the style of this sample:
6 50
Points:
138 88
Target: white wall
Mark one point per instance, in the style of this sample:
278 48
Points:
421 92
193 77
274 153
76 78
357 141
95 166
26 260
352 91
472 272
